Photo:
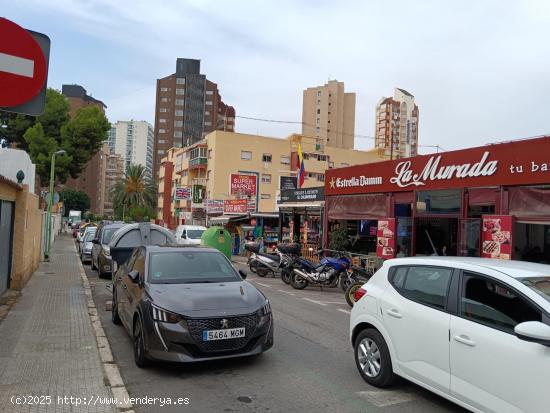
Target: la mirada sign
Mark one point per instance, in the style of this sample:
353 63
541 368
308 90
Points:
513 163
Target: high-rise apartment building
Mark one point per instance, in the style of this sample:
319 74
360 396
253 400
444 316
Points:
188 106
133 140
92 178
328 115
113 173
396 129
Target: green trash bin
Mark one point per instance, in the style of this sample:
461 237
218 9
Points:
219 238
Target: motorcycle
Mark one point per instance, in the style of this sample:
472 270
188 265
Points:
280 263
326 274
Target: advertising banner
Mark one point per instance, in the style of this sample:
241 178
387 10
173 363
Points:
235 206
182 193
288 182
198 194
242 184
496 236
316 194
385 243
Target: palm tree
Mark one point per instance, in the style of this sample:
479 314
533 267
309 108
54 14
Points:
135 190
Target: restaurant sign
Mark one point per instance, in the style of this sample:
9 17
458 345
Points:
513 163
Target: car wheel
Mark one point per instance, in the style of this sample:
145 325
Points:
140 356
350 293
372 358
298 282
92 265
115 317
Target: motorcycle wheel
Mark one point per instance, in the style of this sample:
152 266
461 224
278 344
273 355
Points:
350 292
253 266
285 276
262 271
345 282
298 282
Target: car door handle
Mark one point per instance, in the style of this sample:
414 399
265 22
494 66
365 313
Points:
394 313
464 339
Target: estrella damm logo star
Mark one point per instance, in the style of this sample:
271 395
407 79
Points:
332 183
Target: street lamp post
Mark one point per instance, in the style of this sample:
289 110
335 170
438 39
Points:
49 213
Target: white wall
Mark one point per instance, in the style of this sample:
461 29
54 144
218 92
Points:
13 160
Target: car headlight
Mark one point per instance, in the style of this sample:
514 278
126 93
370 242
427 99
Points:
164 316
106 250
264 314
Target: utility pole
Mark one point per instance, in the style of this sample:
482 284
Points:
49 213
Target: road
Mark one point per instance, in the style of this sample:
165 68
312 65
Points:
309 368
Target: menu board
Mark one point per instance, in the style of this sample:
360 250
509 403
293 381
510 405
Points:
496 236
385 242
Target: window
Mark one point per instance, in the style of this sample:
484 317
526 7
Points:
207 113
209 92
318 101
208 174
164 99
425 285
265 196
494 304
164 89
285 160
162 130
163 110
180 91
266 178
161 152
178 112
178 134
321 177
446 201
317 129
266 157
208 103
184 172
178 123
179 102
209 153
344 164
246 155
161 141
318 121
318 111
318 93
162 120
180 81
208 123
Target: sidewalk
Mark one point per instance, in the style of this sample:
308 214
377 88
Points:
47 344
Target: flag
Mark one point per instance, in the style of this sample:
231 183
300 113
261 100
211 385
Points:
301 170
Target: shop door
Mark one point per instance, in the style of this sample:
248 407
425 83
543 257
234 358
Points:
469 244
6 239
436 236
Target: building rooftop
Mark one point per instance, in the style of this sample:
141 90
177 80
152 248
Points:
77 91
404 91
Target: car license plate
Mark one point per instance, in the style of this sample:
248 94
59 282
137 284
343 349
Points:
225 334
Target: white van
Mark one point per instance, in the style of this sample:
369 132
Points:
189 234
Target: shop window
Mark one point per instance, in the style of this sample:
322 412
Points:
477 211
487 302
445 201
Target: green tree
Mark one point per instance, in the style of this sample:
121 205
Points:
135 193
75 200
338 239
40 149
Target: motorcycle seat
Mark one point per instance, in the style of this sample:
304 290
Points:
270 256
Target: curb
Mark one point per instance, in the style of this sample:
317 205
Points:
111 374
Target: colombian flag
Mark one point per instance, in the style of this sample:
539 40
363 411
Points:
302 170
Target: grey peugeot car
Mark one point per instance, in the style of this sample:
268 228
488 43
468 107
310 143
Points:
101 255
188 304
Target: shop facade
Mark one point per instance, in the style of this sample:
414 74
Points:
491 201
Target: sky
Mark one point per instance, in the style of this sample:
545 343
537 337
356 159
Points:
479 69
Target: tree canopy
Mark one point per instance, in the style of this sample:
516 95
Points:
74 200
135 194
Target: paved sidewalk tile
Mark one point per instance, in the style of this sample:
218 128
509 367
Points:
47 344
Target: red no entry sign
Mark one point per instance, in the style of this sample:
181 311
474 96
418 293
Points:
23 67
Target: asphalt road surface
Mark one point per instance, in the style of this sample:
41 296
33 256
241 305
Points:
310 368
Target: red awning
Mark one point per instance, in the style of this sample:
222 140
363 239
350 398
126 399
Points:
529 203
356 207
482 196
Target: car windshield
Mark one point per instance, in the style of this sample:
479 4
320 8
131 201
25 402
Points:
194 233
186 267
541 285
108 234
89 236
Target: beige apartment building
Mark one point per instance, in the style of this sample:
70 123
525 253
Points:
328 115
396 125
210 162
113 173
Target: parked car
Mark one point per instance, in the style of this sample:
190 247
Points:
83 231
101 255
188 304
473 330
86 246
189 234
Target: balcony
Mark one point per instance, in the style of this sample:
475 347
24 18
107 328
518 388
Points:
199 162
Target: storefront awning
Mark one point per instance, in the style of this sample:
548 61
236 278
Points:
224 219
264 215
301 205
356 207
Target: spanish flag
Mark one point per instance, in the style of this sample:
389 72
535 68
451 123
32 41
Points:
302 170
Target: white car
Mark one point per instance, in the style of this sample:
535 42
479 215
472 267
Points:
189 234
473 330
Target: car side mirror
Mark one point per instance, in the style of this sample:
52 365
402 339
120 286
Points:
533 331
134 276
242 274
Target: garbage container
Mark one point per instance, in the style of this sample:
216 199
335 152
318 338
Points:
219 238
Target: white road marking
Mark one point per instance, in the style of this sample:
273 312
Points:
314 301
264 285
384 398
16 65
286 292
344 311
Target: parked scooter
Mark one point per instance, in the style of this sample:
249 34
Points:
326 274
279 264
